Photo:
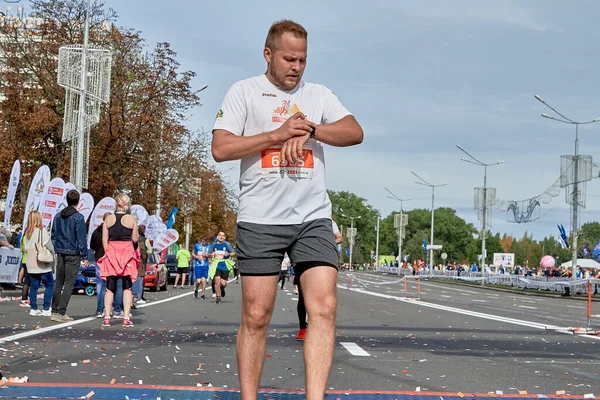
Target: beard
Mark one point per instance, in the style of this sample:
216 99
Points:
281 78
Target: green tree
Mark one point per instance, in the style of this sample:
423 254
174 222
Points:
346 205
590 234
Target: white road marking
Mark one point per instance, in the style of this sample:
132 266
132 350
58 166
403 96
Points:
51 328
355 349
448 288
446 296
479 301
527 307
529 301
476 314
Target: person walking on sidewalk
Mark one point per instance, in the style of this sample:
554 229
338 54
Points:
70 243
39 272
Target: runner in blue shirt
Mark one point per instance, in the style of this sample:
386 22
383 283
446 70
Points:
200 255
221 250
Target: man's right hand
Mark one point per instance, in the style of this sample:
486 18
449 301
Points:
296 125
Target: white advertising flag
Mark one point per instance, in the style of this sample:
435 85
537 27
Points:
154 227
86 205
40 181
105 205
13 183
166 239
53 195
140 214
68 187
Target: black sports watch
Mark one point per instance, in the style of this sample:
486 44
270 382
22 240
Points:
312 133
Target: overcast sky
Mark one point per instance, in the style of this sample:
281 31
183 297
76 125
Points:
420 77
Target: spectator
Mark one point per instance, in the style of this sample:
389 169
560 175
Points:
15 238
70 243
98 247
139 282
39 272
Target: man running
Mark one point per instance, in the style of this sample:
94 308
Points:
183 258
221 253
276 124
200 254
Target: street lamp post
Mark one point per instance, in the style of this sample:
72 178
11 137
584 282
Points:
351 236
377 245
401 228
423 182
575 201
485 166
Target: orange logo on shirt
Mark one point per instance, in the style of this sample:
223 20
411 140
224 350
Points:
281 114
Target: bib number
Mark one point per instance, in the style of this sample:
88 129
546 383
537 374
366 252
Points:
272 166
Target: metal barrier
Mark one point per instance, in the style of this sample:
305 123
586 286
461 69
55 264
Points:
557 284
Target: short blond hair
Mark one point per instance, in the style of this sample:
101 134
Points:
284 26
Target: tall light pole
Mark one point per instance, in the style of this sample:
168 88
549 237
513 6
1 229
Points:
351 235
423 182
575 201
81 128
401 227
377 245
485 166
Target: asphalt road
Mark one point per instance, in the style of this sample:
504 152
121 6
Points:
454 339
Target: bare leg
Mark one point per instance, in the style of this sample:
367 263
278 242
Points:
258 301
127 302
319 288
108 303
183 280
176 280
203 287
218 286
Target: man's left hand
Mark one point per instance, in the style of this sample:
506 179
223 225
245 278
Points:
291 151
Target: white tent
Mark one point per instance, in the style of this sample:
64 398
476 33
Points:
584 263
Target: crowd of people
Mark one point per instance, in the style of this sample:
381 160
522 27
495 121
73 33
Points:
120 249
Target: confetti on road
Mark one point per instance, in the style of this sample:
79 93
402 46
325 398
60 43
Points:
148 359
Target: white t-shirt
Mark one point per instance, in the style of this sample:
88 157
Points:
269 193
285 265
335 228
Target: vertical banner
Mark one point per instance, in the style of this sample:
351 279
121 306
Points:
105 205
63 204
40 180
169 237
53 195
13 183
140 214
86 205
171 220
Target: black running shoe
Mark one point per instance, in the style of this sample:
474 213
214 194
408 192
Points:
196 293
203 297
218 299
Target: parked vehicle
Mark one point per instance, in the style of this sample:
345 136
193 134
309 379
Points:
171 264
156 273
86 277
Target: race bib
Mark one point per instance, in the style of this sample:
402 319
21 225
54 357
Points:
220 254
271 165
